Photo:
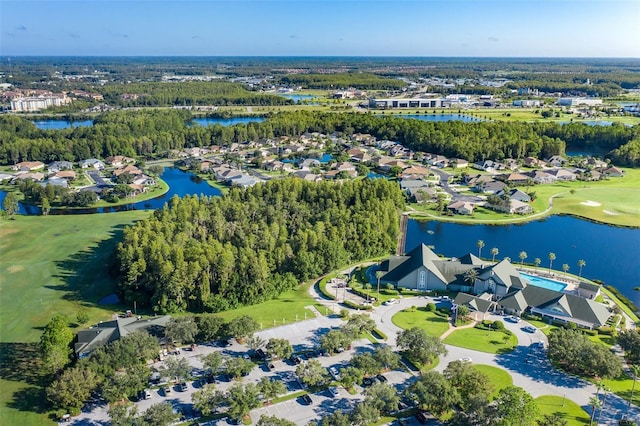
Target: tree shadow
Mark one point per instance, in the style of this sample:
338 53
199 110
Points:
89 275
20 362
30 398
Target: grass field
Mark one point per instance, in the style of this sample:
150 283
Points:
48 265
614 201
622 388
482 340
498 377
434 324
569 410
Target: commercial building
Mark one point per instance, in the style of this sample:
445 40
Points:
409 103
37 103
579 101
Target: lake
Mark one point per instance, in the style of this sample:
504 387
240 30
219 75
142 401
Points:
180 184
207 121
610 253
436 117
61 124
299 98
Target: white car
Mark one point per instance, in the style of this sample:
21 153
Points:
390 302
514 318
465 359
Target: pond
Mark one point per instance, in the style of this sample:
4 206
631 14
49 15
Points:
610 253
180 183
208 121
61 124
298 98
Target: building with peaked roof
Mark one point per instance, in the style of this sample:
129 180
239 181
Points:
557 306
110 331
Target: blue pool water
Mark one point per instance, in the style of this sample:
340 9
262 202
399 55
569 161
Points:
544 282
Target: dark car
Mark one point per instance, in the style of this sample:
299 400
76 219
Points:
305 399
296 359
183 386
382 378
261 354
367 381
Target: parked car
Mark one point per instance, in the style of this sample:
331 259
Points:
465 359
306 399
333 371
390 302
183 386
529 329
514 318
166 390
333 390
381 378
147 394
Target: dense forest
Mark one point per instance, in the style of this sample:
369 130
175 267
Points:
153 133
212 254
364 81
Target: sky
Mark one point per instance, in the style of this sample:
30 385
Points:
453 28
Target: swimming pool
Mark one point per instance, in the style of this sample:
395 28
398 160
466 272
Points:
543 282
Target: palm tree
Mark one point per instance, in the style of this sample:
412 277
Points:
480 244
565 268
494 253
523 255
552 257
537 262
635 371
470 276
581 263
594 402
379 275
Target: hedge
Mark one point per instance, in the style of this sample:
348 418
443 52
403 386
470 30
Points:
379 334
350 304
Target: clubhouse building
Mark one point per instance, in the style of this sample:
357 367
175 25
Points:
487 286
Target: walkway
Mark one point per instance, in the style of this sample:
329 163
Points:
527 364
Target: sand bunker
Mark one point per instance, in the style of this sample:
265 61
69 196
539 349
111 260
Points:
610 212
590 203
15 268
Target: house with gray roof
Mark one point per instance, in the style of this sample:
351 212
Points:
110 331
557 306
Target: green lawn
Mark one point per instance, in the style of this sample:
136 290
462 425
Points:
481 340
570 411
49 265
434 324
289 306
622 388
498 377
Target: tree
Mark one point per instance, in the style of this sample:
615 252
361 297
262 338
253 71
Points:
523 255
72 388
237 367
274 421
160 414
242 327
279 348
181 330
581 264
366 363
45 206
515 406
177 367
433 392
208 400
241 400
10 204
552 257
333 340
386 357
209 327
55 344
474 386
365 414
357 324
537 261
471 276
82 316
122 414
629 340
350 376
419 346
312 373
395 171
554 419
271 388
212 361
565 267
337 418
255 342
383 397
635 373
494 253
480 245
463 311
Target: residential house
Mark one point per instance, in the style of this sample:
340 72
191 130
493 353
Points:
28 166
36 176
613 172
511 207
130 169
65 174
57 166
562 174
459 163
273 165
490 187
541 177
416 171
143 179
556 161
307 175
309 163
119 160
423 194
515 179
461 207
345 166
534 162
489 166
439 161
515 194
63 183
91 163
393 163
243 181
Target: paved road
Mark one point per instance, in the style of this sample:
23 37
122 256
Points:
455 195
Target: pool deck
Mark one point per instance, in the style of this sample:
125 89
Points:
570 282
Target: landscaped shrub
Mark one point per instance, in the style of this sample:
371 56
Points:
431 307
487 323
379 334
498 325
350 304
591 332
609 331
344 313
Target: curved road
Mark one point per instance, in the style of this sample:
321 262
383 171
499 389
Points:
527 364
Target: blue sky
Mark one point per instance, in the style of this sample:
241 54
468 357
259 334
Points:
502 28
